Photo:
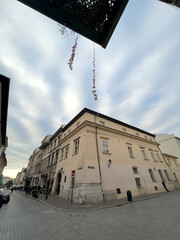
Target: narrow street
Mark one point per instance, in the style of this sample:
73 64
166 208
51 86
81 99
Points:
26 219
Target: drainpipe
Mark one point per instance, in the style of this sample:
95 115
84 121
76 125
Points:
99 165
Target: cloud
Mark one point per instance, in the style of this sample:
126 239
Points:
137 75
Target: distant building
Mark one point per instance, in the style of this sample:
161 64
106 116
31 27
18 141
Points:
175 168
102 158
169 144
50 154
19 181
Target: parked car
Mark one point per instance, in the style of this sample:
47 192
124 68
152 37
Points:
5 195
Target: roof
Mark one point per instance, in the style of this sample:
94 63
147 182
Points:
95 20
4 97
86 110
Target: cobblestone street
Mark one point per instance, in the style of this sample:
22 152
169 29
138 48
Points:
24 218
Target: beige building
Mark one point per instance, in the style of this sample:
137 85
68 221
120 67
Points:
102 158
169 144
175 168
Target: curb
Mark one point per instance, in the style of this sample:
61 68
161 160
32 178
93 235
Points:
98 208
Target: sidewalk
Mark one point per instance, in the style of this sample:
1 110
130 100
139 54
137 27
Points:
66 205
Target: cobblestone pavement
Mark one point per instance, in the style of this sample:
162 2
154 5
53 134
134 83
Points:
66 205
157 219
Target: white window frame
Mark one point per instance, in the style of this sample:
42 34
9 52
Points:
76 146
144 154
130 152
138 182
66 151
153 156
167 175
62 154
105 146
152 175
161 174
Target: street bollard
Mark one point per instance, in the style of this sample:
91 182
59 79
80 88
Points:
129 196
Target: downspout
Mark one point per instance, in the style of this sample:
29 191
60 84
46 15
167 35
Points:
99 165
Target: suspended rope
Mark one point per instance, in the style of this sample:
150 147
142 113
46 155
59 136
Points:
94 74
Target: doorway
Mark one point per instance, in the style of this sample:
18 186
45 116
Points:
59 183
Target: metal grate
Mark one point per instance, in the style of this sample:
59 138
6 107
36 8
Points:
94 13
94 19
175 3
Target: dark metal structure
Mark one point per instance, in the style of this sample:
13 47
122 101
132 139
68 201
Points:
94 19
175 3
4 97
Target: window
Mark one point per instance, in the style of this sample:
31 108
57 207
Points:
157 154
65 178
152 175
137 134
66 151
124 130
176 163
167 175
54 143
130 152
51 146
138 183
52 159
69 131
76 146
105 146
169 161
153 156
57 153
118 190
145 137
135 170
65 135
49 161
78 124
161 175
101 123
62 152
144 154
59 139
175 177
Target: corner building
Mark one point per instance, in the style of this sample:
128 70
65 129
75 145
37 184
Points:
102 158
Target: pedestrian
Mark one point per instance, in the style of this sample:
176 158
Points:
12 190
1 199
163 183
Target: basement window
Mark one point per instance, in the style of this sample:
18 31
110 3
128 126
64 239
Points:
118 190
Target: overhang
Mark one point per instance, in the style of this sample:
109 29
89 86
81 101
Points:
93 19
4 96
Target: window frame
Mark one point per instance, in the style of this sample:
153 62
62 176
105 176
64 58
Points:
152 175
105 146
131 155
76 146
138 183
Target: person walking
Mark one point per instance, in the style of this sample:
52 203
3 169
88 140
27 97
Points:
1 200
164 185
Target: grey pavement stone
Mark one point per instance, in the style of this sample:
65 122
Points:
158 218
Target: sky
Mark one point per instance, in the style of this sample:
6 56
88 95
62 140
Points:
137 75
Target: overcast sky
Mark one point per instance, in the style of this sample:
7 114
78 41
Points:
137 75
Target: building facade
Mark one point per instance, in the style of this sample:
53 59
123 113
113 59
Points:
102 158
175 168
169 144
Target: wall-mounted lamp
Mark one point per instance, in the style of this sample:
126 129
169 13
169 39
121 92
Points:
109 164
